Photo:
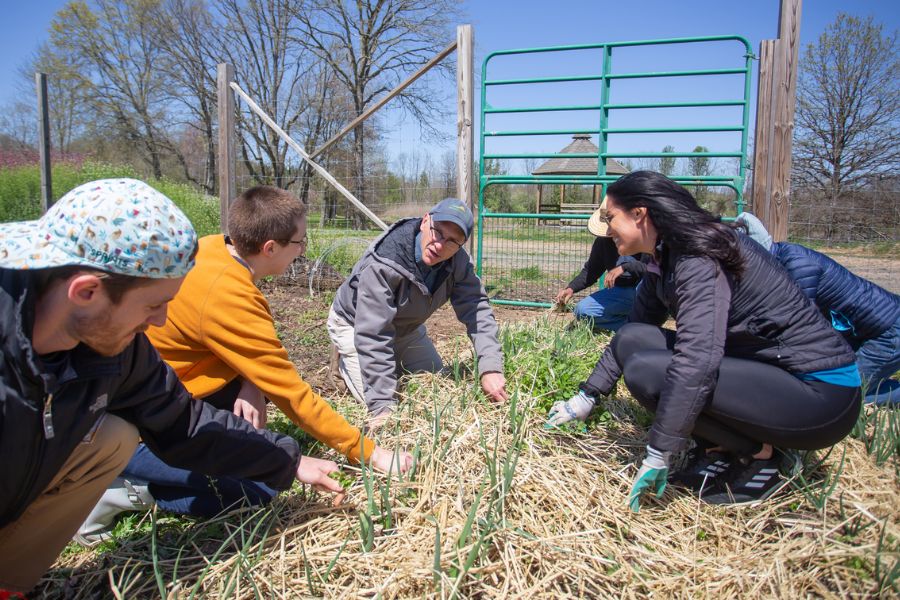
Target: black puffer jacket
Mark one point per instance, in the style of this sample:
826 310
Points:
763 316
869 309
43 418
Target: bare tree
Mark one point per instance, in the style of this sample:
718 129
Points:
447 174
18 127
848 107
69 110
372 45
120 55
259 39
185 30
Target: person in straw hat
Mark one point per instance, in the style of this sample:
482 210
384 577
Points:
80 381
607 308
751 366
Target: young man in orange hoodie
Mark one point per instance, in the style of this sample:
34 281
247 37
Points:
220 339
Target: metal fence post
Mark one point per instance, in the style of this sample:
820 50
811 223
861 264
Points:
40 80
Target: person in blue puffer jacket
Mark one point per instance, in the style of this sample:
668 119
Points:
867 315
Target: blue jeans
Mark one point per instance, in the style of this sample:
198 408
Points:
607 308
878 359
191 493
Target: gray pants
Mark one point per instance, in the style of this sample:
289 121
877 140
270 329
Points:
414 353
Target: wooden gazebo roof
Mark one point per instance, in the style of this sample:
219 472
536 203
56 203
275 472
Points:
581 144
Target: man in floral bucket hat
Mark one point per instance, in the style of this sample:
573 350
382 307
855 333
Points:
80 382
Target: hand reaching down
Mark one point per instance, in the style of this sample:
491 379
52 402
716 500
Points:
494 385
386 461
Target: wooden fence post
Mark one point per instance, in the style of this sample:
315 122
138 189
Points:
227 184
761 138
775 122
785 100
40 81
465 143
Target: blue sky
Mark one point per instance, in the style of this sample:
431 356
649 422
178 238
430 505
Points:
508 24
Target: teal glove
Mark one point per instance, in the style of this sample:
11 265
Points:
651 476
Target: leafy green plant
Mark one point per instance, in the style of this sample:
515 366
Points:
550 363
345 479
887 571
852 526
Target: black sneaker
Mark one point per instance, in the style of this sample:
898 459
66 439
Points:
702 470
748 481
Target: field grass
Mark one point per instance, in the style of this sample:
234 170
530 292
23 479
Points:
20 192
499 507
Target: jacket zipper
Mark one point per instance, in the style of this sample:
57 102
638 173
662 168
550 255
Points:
48 416
33 473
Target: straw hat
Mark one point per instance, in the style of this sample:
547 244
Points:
596 224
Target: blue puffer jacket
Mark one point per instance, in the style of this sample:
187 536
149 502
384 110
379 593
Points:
867 308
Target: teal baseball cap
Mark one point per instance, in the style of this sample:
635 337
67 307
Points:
119 226
454 211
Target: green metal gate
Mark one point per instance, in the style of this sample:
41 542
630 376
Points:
524 257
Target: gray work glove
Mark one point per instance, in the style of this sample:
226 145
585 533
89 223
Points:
578 407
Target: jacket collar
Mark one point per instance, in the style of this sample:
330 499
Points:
18 297
396 248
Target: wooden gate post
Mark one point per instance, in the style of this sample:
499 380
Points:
775 122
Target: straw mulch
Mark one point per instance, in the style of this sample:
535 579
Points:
559 529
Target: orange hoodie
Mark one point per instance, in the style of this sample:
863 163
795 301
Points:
219 327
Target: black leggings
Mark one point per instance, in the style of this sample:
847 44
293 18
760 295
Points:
753 402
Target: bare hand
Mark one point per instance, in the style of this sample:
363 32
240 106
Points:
611 276
385 461
251 405
564 295
315 471
494 385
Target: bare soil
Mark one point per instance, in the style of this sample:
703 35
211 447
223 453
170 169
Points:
300 320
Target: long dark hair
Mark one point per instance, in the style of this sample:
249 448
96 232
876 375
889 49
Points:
682 224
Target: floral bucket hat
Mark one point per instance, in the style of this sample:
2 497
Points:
116 225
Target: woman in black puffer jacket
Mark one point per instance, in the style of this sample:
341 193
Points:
752 364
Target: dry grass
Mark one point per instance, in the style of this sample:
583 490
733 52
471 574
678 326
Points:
557 528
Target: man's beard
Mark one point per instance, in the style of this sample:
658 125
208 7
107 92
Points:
103 338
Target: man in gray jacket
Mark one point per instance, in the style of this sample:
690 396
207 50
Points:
377 319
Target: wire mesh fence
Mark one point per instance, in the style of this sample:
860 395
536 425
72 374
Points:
528 260
338 232
859 229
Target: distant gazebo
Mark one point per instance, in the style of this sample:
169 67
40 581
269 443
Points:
581 144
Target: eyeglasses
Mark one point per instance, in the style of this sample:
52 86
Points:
302 243
442 239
